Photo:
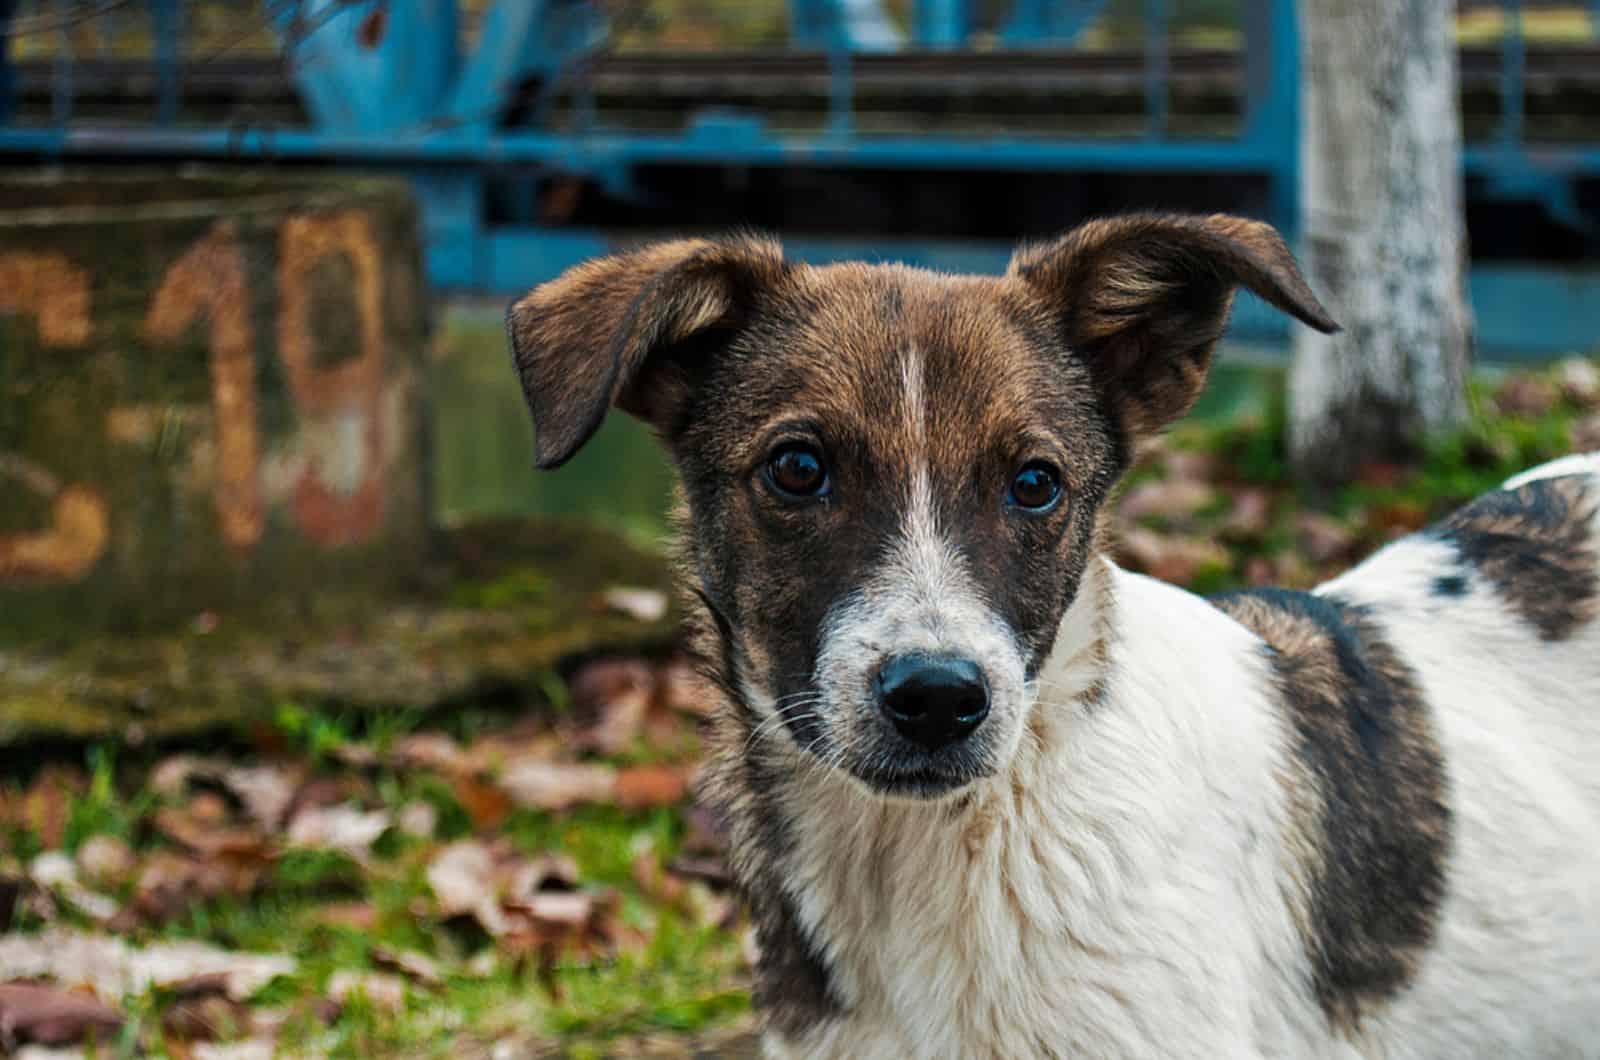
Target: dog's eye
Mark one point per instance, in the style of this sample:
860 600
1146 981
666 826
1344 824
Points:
1035 488
796 470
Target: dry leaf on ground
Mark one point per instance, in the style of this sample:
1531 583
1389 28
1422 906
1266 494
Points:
418 967
418 819
1322 538
106 861
50 1015
114 969
462 877
386 992
1579 379
345 828
1168 498
267 791
433 751
252 1049
646 787
56 872
643 605
1170 557
541 785
680 688
618 693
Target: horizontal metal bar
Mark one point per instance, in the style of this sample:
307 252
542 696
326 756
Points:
1505 296
1552 160
707 147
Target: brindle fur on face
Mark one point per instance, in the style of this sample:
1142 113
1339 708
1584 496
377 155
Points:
924 394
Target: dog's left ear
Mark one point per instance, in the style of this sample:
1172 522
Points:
1143 299
619 329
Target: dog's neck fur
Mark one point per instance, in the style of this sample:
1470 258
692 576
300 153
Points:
1054 886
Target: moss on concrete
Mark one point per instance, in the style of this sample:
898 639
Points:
501 605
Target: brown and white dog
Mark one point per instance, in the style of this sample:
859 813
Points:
990 796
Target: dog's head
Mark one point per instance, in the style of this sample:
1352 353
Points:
893 476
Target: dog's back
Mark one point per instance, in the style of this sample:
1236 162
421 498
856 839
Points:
1496 614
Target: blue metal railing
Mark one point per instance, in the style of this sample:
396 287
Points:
389 84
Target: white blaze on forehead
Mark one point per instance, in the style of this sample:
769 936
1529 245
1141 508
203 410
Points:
914 402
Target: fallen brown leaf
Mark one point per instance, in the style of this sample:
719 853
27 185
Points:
43 809
1169 557
418 819
643 605
432 751
267 791
50 1015
172 776
1526 395
646 787
680 688
57 873
1250 516
556 786
1398 518
1200 464
384 992
462 877
1168 498
618 693
486 804
205 832
653 880
106 861
705 836
1579 379
547 872
713 871
251 1049
345 828
206 1017
170 882
1586 434
358 915
417 967
1323 539
114 969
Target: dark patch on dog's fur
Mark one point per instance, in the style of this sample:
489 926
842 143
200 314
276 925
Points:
1373 788
793 985
1450 585
1536 546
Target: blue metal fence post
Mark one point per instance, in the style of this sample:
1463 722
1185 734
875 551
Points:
1512 62
1272 103
941 23
7 78
61 92
166 15
861 24
1156 67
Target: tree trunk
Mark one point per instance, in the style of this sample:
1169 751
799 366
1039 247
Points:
1385 237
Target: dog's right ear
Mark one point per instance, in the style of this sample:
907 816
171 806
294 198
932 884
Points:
604 332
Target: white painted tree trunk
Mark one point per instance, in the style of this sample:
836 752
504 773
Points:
1385 237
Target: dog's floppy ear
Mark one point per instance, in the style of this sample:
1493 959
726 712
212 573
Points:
596 335
1143 299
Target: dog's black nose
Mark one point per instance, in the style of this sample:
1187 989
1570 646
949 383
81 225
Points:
933 700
